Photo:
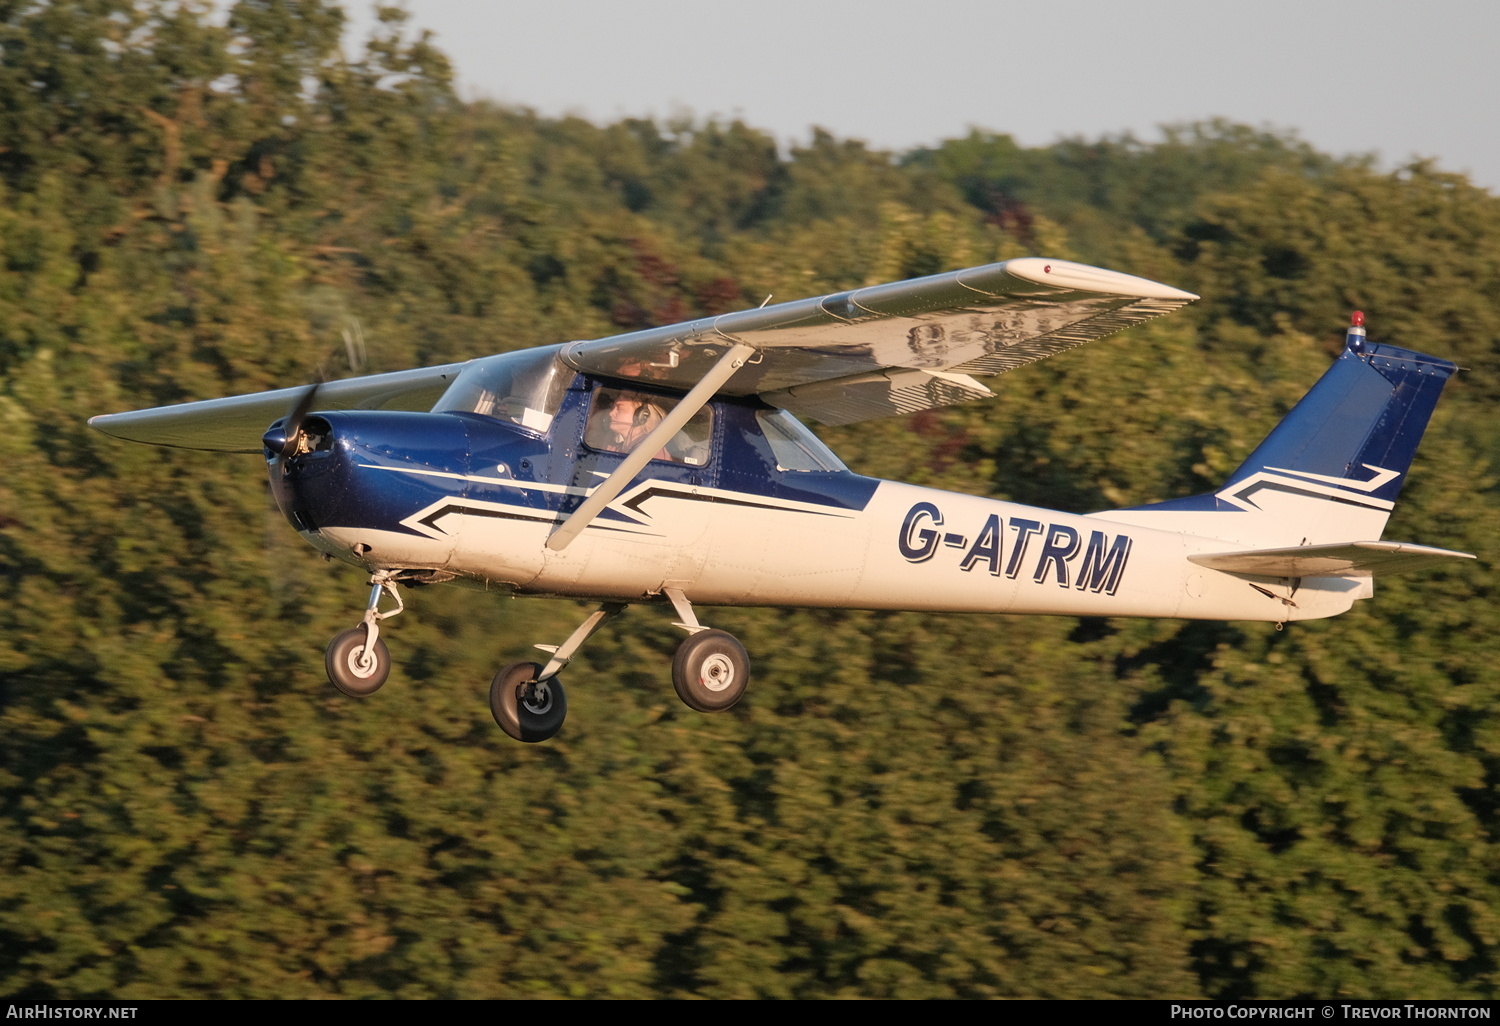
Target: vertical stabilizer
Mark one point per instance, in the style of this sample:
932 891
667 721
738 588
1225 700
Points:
1331 470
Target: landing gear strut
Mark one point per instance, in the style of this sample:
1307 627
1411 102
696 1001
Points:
357 660
710 673
527 700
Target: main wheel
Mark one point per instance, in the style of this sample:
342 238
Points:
348 667
525 710
710 671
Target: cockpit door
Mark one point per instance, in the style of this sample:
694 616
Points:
608 420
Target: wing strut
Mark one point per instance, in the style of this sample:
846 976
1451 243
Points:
604 493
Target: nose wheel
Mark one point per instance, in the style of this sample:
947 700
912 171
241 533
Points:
357 661
354 666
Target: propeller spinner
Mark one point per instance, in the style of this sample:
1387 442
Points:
285 437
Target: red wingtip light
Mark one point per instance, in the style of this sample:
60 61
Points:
1357 319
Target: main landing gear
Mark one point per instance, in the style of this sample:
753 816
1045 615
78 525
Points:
527 700
711 669
709 673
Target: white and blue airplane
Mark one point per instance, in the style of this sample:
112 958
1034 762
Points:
668 467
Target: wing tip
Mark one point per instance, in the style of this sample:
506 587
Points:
105 424
1066 274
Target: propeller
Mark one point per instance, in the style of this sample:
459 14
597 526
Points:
285 438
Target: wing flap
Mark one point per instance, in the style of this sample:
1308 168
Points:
1344 559
887 394
235 423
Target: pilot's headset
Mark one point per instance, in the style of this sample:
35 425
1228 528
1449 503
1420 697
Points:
642 415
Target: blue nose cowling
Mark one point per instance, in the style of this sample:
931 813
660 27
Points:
358 472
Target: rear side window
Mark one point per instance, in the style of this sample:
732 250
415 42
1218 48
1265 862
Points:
795 447
620 418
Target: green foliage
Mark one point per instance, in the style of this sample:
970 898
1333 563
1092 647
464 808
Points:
905 805
1114 192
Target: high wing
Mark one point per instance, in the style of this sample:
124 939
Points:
872 352
897 348
236 423
1344 559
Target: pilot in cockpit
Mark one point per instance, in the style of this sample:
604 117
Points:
622 419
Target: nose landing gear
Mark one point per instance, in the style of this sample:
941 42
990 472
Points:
357 661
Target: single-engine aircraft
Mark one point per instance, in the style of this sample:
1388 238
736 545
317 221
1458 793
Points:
668 467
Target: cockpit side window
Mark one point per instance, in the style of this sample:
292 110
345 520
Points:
523 388
620 418
795 447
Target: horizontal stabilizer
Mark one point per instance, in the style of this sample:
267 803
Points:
1342 559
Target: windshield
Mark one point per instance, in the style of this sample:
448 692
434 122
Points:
522 388
796 448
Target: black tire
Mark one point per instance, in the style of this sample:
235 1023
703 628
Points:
342 663
527 712
711 671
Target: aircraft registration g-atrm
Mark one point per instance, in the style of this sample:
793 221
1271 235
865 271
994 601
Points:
669 467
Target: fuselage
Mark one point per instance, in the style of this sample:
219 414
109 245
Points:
470 497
